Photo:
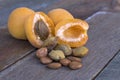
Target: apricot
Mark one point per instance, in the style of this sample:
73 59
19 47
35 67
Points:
38 27
59 14
16 22
72 32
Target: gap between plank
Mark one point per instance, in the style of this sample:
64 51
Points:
106 65
28 53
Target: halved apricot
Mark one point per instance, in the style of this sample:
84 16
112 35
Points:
16 22
72 32
38 27
59 14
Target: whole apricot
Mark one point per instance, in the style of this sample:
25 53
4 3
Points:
16 22
59 14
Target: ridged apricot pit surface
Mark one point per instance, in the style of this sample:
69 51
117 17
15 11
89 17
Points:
59 14
38 27
72 32
16 22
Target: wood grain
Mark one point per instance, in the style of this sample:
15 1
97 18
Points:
79 8
11 49
112 71
6 7
103 44
83 8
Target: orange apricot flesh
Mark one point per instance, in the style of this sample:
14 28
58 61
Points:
72 32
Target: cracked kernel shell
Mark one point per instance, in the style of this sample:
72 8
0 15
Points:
50 43
80 51
59 14
72 32
56 55
65 48
33 33
16 22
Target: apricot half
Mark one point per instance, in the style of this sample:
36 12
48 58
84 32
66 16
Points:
38 27
72 32
59 14
16 22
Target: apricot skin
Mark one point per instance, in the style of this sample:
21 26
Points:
16 22
59 14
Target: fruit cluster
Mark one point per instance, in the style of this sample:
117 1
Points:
58 27
26 24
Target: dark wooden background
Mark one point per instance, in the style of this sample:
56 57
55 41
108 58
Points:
17 57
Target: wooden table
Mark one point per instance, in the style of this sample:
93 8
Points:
17 57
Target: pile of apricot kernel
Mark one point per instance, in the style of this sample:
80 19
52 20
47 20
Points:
59 56
58 27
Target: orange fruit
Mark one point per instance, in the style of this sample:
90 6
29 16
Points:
72 32
59 14
16 22
38 27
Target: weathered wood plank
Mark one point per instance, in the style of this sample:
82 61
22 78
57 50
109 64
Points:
7 6
112 71
12 49
79 8
83 8
103 44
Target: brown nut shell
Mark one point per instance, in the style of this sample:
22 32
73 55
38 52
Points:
38 28
75 65
65 62
74 59
45 60
54 65
42 52
16 22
